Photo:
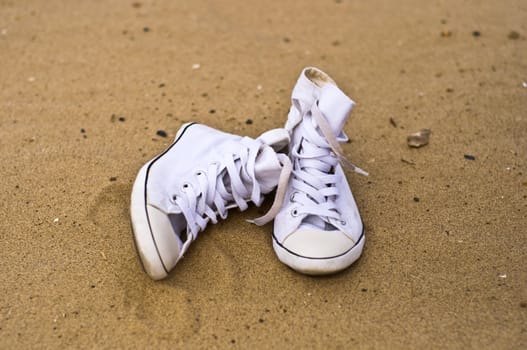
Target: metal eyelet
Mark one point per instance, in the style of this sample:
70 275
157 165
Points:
294 212
174 198
185 186
343 222
199 173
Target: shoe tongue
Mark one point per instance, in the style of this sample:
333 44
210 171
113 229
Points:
267 169
315 222
335 106
305 94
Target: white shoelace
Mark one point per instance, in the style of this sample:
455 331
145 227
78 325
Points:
314 181
228 183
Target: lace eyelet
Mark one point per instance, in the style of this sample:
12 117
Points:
174 198
292 197
294 212
199 173
185 186
343 222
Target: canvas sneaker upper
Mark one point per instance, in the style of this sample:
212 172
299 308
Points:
318 227
195 181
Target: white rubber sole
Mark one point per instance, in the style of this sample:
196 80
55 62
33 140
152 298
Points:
319 266
144 238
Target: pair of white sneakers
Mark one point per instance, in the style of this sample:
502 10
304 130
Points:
205 172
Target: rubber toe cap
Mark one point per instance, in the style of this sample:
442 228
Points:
318 244
166 240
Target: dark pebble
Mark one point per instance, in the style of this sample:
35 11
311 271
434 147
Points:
416 199
113 178
469 157
122 119
523 304
449 90
83 131
513 35
364 289
286 40
161 133
261 320
476 33
146 29
249 121
161 85
212 111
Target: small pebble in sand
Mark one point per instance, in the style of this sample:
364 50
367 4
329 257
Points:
469 157
524 84
146 29
212 111
503 275
196 66
161 133
55 220
476 33
446 33
416 199
136 5
113 178
513 35
393 122
407 161
83 131
122 119
249 121
419 138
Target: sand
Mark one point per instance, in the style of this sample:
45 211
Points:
85 86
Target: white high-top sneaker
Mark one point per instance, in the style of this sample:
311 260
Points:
318 229
200 176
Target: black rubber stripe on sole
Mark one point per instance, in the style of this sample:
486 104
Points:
146 181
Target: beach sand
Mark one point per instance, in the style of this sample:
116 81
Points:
86 85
